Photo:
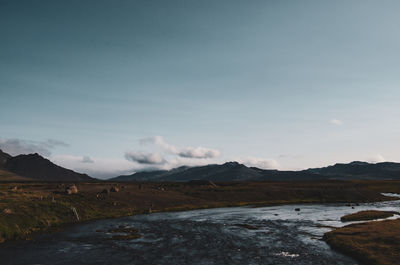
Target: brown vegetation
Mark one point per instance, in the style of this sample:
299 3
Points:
367 215
374 242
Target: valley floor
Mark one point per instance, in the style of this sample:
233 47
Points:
29 207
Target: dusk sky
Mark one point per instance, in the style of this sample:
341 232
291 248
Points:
112 87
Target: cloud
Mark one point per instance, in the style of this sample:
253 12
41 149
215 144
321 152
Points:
378 158
186 152
19 146
100 168
199 152
145 158
86 159
265 163
336 122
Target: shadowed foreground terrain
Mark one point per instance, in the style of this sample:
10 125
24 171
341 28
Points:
374 242
367 215
30 207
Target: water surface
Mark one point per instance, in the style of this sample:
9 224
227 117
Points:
210 236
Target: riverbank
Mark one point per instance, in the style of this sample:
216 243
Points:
26 208
374 243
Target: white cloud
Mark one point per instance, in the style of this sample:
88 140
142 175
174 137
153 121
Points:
378 158
100 168
187 152
86 159
145 158
198 152
265 163
19 146
336 122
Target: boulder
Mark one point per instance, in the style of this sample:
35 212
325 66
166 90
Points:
7 211
71 189
114 189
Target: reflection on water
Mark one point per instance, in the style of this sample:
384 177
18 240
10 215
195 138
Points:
211 236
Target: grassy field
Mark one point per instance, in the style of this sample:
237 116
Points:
374 242
30 207
367 215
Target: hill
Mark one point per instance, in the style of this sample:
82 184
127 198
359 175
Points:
35 167
361 170
230 171
233 171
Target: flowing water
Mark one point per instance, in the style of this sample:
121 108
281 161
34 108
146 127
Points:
211 236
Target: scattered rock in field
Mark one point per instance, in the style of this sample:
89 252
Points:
114 189
71 189
7 211
201 182
15 188
106 191
297 209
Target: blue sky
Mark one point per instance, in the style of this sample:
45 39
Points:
278 84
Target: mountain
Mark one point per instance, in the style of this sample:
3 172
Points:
233 171
363 170
3 158
36 167
230 171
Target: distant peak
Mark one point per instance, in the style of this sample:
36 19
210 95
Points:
232 163
358 163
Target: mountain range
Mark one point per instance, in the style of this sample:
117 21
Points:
233 171
33 167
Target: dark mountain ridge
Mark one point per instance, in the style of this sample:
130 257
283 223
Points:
233 171
361 169
36 167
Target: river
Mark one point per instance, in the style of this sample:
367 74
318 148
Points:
210 236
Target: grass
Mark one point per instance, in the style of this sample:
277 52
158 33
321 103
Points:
372 243
367 215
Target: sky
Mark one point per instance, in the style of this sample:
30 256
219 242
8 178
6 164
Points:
113 87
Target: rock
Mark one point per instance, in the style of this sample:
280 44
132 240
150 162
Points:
297 209
106 191
7 211
71 189
114 189
15 188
